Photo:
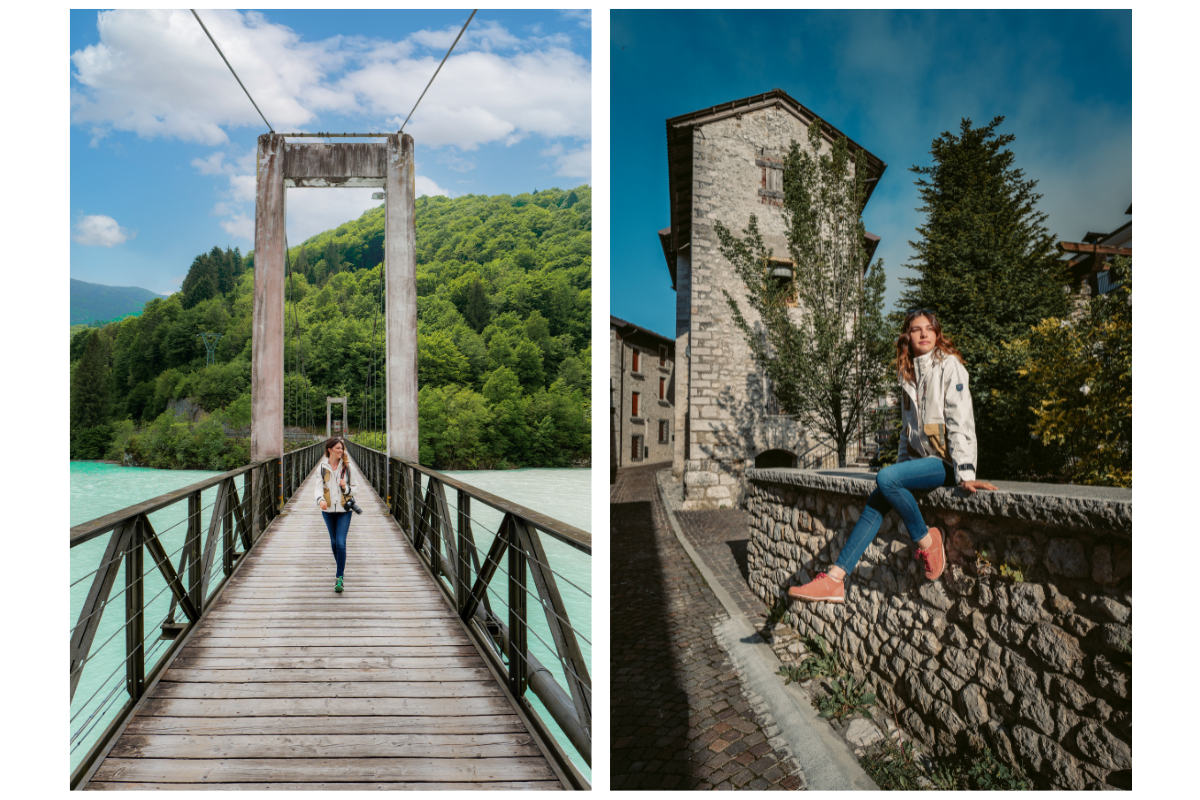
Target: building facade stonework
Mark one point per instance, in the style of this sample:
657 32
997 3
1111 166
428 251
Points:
725 164
642 380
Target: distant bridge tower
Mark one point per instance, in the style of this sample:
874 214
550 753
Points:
329 401
283 164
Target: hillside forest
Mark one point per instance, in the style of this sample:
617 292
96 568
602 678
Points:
503 339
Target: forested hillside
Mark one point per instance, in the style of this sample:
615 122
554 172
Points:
504 309
92 302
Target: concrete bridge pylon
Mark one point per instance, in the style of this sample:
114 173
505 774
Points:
281 165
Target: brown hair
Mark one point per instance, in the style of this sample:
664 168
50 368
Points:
942 344
344 467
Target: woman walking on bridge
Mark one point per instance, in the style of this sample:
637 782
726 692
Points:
334 491
937 448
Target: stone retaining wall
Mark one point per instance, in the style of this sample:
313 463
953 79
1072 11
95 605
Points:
1037 667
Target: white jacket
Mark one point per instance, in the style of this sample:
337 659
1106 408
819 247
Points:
330 490
937 416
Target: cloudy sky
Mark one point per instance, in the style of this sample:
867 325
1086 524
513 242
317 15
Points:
163 139
890 80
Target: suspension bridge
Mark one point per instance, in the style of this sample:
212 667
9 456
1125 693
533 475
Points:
230 663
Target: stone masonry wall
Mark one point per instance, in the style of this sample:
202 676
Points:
727 423
1038 668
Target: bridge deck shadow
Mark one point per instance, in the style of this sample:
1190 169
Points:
285 684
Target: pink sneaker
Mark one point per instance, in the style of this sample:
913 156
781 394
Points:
820 589
933 559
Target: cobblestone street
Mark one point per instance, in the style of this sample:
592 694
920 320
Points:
680 718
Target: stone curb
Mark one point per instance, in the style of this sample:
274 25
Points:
1103 508
789 718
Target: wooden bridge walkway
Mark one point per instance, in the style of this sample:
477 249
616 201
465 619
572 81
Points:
287 685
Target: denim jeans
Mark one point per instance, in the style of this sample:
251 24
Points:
894 485
338 523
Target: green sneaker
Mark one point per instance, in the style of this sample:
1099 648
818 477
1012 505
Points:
337 586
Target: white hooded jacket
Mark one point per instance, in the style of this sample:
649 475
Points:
937 416
330 490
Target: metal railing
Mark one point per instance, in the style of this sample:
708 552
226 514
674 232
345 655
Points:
234 520
445 542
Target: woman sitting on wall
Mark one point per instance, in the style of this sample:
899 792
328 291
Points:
937 448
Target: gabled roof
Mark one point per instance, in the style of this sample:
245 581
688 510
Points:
638 334
679 158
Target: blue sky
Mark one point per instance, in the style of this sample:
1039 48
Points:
890 80
163 139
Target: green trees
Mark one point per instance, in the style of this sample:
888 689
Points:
827 360
987 265
481 316
1081 371
90 397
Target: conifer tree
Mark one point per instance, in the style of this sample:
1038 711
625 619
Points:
478 312
90 395
987 266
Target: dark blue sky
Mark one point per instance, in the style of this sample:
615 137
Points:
890 80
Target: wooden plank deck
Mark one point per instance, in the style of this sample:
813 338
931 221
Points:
287 685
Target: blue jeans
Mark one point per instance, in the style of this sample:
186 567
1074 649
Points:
895 483
338 523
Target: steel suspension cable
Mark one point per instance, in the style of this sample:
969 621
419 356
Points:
235 75
435 72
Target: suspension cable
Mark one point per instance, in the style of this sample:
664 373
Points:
235 75
435 72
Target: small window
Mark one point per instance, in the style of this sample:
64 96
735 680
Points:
635 451
662 355
636 397
636 361
664 431
662 388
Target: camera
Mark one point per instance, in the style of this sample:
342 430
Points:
349 504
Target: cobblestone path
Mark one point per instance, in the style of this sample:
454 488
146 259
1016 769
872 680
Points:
679 716
721 537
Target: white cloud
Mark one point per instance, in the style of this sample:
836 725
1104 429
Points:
571 163
239 226
427 188
213 165
311 211
100 230
483 35
156 74
582 16
482 97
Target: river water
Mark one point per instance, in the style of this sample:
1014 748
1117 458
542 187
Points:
98 489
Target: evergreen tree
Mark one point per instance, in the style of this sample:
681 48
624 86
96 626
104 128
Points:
90 397
987 266
478 311
333 258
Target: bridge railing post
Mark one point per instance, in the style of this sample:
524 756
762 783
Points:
463 568
135 595
518 645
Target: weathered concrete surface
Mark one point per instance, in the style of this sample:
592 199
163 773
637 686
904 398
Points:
266 361
340 165
400 238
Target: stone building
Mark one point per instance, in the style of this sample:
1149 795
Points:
726 163
642 380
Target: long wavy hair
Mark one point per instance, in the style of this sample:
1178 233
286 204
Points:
942 344
344 467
